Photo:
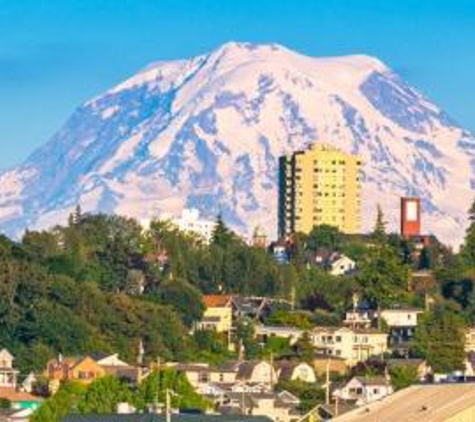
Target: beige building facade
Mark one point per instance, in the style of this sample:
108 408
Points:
320 185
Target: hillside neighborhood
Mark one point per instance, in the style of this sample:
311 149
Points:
237 231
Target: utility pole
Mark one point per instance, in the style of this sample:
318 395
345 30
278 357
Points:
327 384
272 371
168 412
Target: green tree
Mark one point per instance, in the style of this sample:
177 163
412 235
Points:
245 334
310 395
383 277
440 339
104 395
324 237
425 259
288 318
305 349
222 235
63 403
468 248
403 376
187 300
152 391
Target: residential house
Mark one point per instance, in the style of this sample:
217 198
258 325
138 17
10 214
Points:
291 370
401 316
254 371
421 403
113 365
81 369
201 376
20 400
352 345
339 264
359 318
364 390
8 374
216 391
218 314
29 383
279 407
281 250
402 323
234 376
264 332
252 307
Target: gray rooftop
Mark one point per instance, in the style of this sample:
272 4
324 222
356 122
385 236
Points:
161 418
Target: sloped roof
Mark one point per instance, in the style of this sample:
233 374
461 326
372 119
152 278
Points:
17 396
286 368
216 301
372 381
421 403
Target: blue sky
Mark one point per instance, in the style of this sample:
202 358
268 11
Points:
55 54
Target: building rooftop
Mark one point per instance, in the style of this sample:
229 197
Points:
216 301
161 418
13 395
421 403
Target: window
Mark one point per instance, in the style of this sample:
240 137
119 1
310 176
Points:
203 377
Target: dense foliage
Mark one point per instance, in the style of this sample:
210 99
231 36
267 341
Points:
103 283
105 394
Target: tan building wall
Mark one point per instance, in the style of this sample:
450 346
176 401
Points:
352 346
319 186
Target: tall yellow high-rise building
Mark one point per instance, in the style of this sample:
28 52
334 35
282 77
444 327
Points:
320 185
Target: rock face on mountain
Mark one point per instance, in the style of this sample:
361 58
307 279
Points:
207 133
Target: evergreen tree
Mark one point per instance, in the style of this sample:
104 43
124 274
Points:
440 338
468 249
222 235
425 259
379 231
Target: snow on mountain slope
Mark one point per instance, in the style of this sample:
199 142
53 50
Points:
207 133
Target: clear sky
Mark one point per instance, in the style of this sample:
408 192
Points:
55 54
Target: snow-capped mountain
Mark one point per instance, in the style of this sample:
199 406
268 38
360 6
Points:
207 132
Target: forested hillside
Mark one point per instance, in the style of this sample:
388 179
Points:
102 283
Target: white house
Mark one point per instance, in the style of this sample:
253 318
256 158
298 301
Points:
401 317
279 407
364 390
8 374
341 265
295 371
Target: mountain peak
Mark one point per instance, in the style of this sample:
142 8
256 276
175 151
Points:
206 133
